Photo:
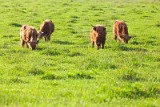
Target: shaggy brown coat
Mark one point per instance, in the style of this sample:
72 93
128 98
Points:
98 36
120 31
46 29
28 36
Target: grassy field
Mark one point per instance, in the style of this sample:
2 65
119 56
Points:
66 71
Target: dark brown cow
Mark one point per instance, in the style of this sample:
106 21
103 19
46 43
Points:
98 36
28 36
120 31
46 29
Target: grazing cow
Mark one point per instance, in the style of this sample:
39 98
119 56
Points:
120 31
46 29
28 36
98 36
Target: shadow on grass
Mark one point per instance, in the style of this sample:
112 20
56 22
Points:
51 52
125 48
136 92
15 24
35 71
7 36
73 19
40 48
17 80
132 77
52 77
73 54
63 42
158 24
80 76
71 76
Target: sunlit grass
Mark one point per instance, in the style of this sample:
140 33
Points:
67 71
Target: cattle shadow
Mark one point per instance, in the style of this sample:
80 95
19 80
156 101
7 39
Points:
69 76
52 77
137 92
73 19
35 71
63 42
17 81
15 24
73 31
73 54
158 24
131 77
114 17
125 48
7 36
137 11
40 48
80 76
51 52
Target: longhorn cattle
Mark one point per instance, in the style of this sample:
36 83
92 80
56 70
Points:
120 31
28 36
98 36
46 29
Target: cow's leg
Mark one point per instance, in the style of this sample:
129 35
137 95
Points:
22 43
115 37
49 37
103 43
120 39
98 46
92 44
45 38
98 43
27 45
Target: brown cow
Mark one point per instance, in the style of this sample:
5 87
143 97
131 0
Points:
28 36
120 31
98 36
46 29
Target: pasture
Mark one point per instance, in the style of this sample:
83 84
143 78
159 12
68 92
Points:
67 71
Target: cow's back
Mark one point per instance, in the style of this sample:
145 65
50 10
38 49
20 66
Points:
120 28
32 34
47 27
28 33
51 26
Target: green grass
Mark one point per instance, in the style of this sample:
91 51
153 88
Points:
66 71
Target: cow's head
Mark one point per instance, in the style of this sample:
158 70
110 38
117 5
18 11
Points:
32 44
40 34
99 29
125 38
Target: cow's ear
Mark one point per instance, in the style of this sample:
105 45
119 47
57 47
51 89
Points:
24 27
94 28
104 28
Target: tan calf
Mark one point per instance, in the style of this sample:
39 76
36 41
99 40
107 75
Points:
120 31
28 36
